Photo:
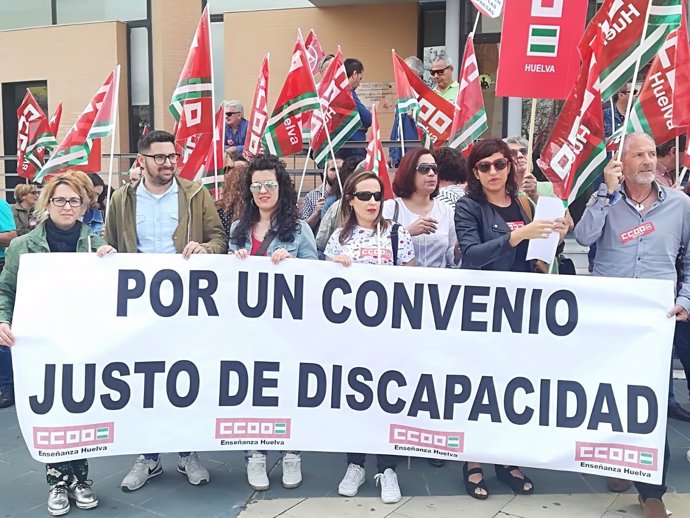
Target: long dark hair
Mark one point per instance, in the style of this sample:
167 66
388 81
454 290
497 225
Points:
480 151
349 218
284 222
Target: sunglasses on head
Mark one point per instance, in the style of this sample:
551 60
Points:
367 195
522 150
484 167
425 168
439 71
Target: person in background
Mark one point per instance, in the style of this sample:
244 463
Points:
355 73
231 204
428 220
63 201
7 234
93 217
409 127
452 175
325 61
366 237
313 202
666 172
494 229
26 196
442 74
235 128
269 227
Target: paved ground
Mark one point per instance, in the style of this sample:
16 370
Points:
429 492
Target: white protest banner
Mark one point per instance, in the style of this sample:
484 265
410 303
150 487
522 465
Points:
216 353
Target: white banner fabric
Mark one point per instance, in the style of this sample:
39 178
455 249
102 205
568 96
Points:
151 353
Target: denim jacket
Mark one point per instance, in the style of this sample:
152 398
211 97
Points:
302 247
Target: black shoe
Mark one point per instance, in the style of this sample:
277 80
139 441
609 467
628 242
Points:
6 396
437 463
675 411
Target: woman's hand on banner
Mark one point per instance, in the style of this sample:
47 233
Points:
279 254
241 253
345 260
104 250
6 336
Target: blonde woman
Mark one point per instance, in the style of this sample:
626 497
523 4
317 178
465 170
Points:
26 196
63 201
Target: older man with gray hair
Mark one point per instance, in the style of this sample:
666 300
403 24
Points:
442 74
628 200
235 127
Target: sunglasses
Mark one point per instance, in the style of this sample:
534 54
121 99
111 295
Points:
439 71
425 168
522 150
269 185
230 114
367 195
484 167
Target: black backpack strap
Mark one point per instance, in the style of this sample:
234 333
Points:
396 211
394 240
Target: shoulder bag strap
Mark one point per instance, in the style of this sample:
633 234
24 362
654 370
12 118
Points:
268 239
394 241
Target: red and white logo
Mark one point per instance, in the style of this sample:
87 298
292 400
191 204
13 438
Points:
447 441
634 233
252 428
67 437
618 455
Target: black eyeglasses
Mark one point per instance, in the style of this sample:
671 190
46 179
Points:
523 151
484 167
160 159
367 195
439 71
61 202
425 168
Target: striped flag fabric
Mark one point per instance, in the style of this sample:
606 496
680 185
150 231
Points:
211 174
375 160
338 114
469 117
34 136
259 114
543 40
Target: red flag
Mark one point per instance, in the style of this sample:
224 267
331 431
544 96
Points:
314 51
681 90
339 110
576 151
212 170
686 157
435 113
375 160
55 119
33 135
259 114
469 119
194 92
194 149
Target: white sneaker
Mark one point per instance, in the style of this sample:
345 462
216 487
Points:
354 477
196 474
390 490
292 470
142 471
256 472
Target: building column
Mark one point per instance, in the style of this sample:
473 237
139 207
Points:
453 34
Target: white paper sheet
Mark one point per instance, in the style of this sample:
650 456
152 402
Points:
545 249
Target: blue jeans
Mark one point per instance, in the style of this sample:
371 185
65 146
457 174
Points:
681 344
6 374
154 456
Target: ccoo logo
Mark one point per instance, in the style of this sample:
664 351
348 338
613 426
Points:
448 441
252 428
64 437
618 455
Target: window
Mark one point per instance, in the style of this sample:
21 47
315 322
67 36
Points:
77 11
24 13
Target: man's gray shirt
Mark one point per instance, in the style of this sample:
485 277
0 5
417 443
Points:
638 246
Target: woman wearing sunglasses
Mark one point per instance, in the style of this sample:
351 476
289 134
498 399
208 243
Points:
367 238
429 221
494 230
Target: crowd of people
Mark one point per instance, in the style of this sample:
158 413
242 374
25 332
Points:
447 213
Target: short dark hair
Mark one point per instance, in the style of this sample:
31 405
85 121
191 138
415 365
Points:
665 148
353 65
451 166
481 150
151 137
403 183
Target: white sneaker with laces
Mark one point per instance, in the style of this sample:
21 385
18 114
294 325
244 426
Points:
390 490
256 472
58 502
292 470
196 474
354 477
142 471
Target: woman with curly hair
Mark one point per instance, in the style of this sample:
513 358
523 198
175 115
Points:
231 203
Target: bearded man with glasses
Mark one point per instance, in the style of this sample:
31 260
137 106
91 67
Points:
162 213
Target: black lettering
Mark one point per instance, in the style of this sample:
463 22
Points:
564 388
116 384
469 306
605 396
635 393
442 317
68 401
337 388
304 400
509 400
381 303
534 312
155 294
413 310
544 402
226 369
326 301
261 297
124 292
569 298
382 392
430 404
452 397
197 293
485 389
149 370
282 293
43 407
513 313
360 388
171 385
261 382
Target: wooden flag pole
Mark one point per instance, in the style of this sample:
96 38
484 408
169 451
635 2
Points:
628 108
330 146
677 160
112 141
532 119
304 172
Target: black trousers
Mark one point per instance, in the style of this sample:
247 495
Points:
681 343
383 462
652 490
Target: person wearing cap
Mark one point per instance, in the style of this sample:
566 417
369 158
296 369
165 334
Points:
235 127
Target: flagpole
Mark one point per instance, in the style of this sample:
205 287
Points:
213 103
400 134
112 142
677 158
304 172
628 108
330 146
613 117
532 117
476 22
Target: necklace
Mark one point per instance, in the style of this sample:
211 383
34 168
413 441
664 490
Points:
639 205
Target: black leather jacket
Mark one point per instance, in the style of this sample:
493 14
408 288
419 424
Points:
483 236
